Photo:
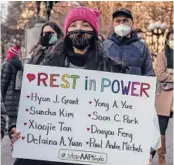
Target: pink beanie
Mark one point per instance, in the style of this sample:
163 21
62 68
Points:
83 13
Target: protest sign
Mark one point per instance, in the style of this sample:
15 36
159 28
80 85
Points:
85 117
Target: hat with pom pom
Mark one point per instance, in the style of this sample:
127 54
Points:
83 13
13 52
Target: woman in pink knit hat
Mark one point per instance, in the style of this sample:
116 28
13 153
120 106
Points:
79 49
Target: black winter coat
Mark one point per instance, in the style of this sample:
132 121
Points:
3 119
97 59
9 94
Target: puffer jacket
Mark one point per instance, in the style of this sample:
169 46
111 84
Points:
9 94
133 53
3 119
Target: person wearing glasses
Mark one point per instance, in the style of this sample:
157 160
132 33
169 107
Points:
123 45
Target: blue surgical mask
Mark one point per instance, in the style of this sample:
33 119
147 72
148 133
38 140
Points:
53 39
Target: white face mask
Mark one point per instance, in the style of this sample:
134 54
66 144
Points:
171 44
142 40
122 30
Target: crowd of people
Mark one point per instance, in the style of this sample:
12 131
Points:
81 46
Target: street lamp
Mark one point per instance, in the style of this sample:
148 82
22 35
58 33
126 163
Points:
158 29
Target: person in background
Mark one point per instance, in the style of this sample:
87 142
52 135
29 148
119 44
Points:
80 49
50 34
124 46
9 84
164 98
140 34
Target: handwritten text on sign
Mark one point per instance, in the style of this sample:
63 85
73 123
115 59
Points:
87 117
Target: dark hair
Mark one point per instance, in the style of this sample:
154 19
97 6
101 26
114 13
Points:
54 26
138 31
101 37
168 50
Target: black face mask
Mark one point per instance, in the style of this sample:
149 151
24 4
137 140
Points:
80 39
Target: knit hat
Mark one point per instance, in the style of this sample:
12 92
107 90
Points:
83 13
12 52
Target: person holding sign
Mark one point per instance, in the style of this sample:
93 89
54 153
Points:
80 49
164 99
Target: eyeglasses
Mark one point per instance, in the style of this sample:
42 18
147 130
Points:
119 21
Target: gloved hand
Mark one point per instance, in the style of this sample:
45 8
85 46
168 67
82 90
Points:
45 39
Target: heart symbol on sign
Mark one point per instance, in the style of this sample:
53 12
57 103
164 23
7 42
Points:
23 137
88 129
89 115
31 77
27 110
87 142
25 123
